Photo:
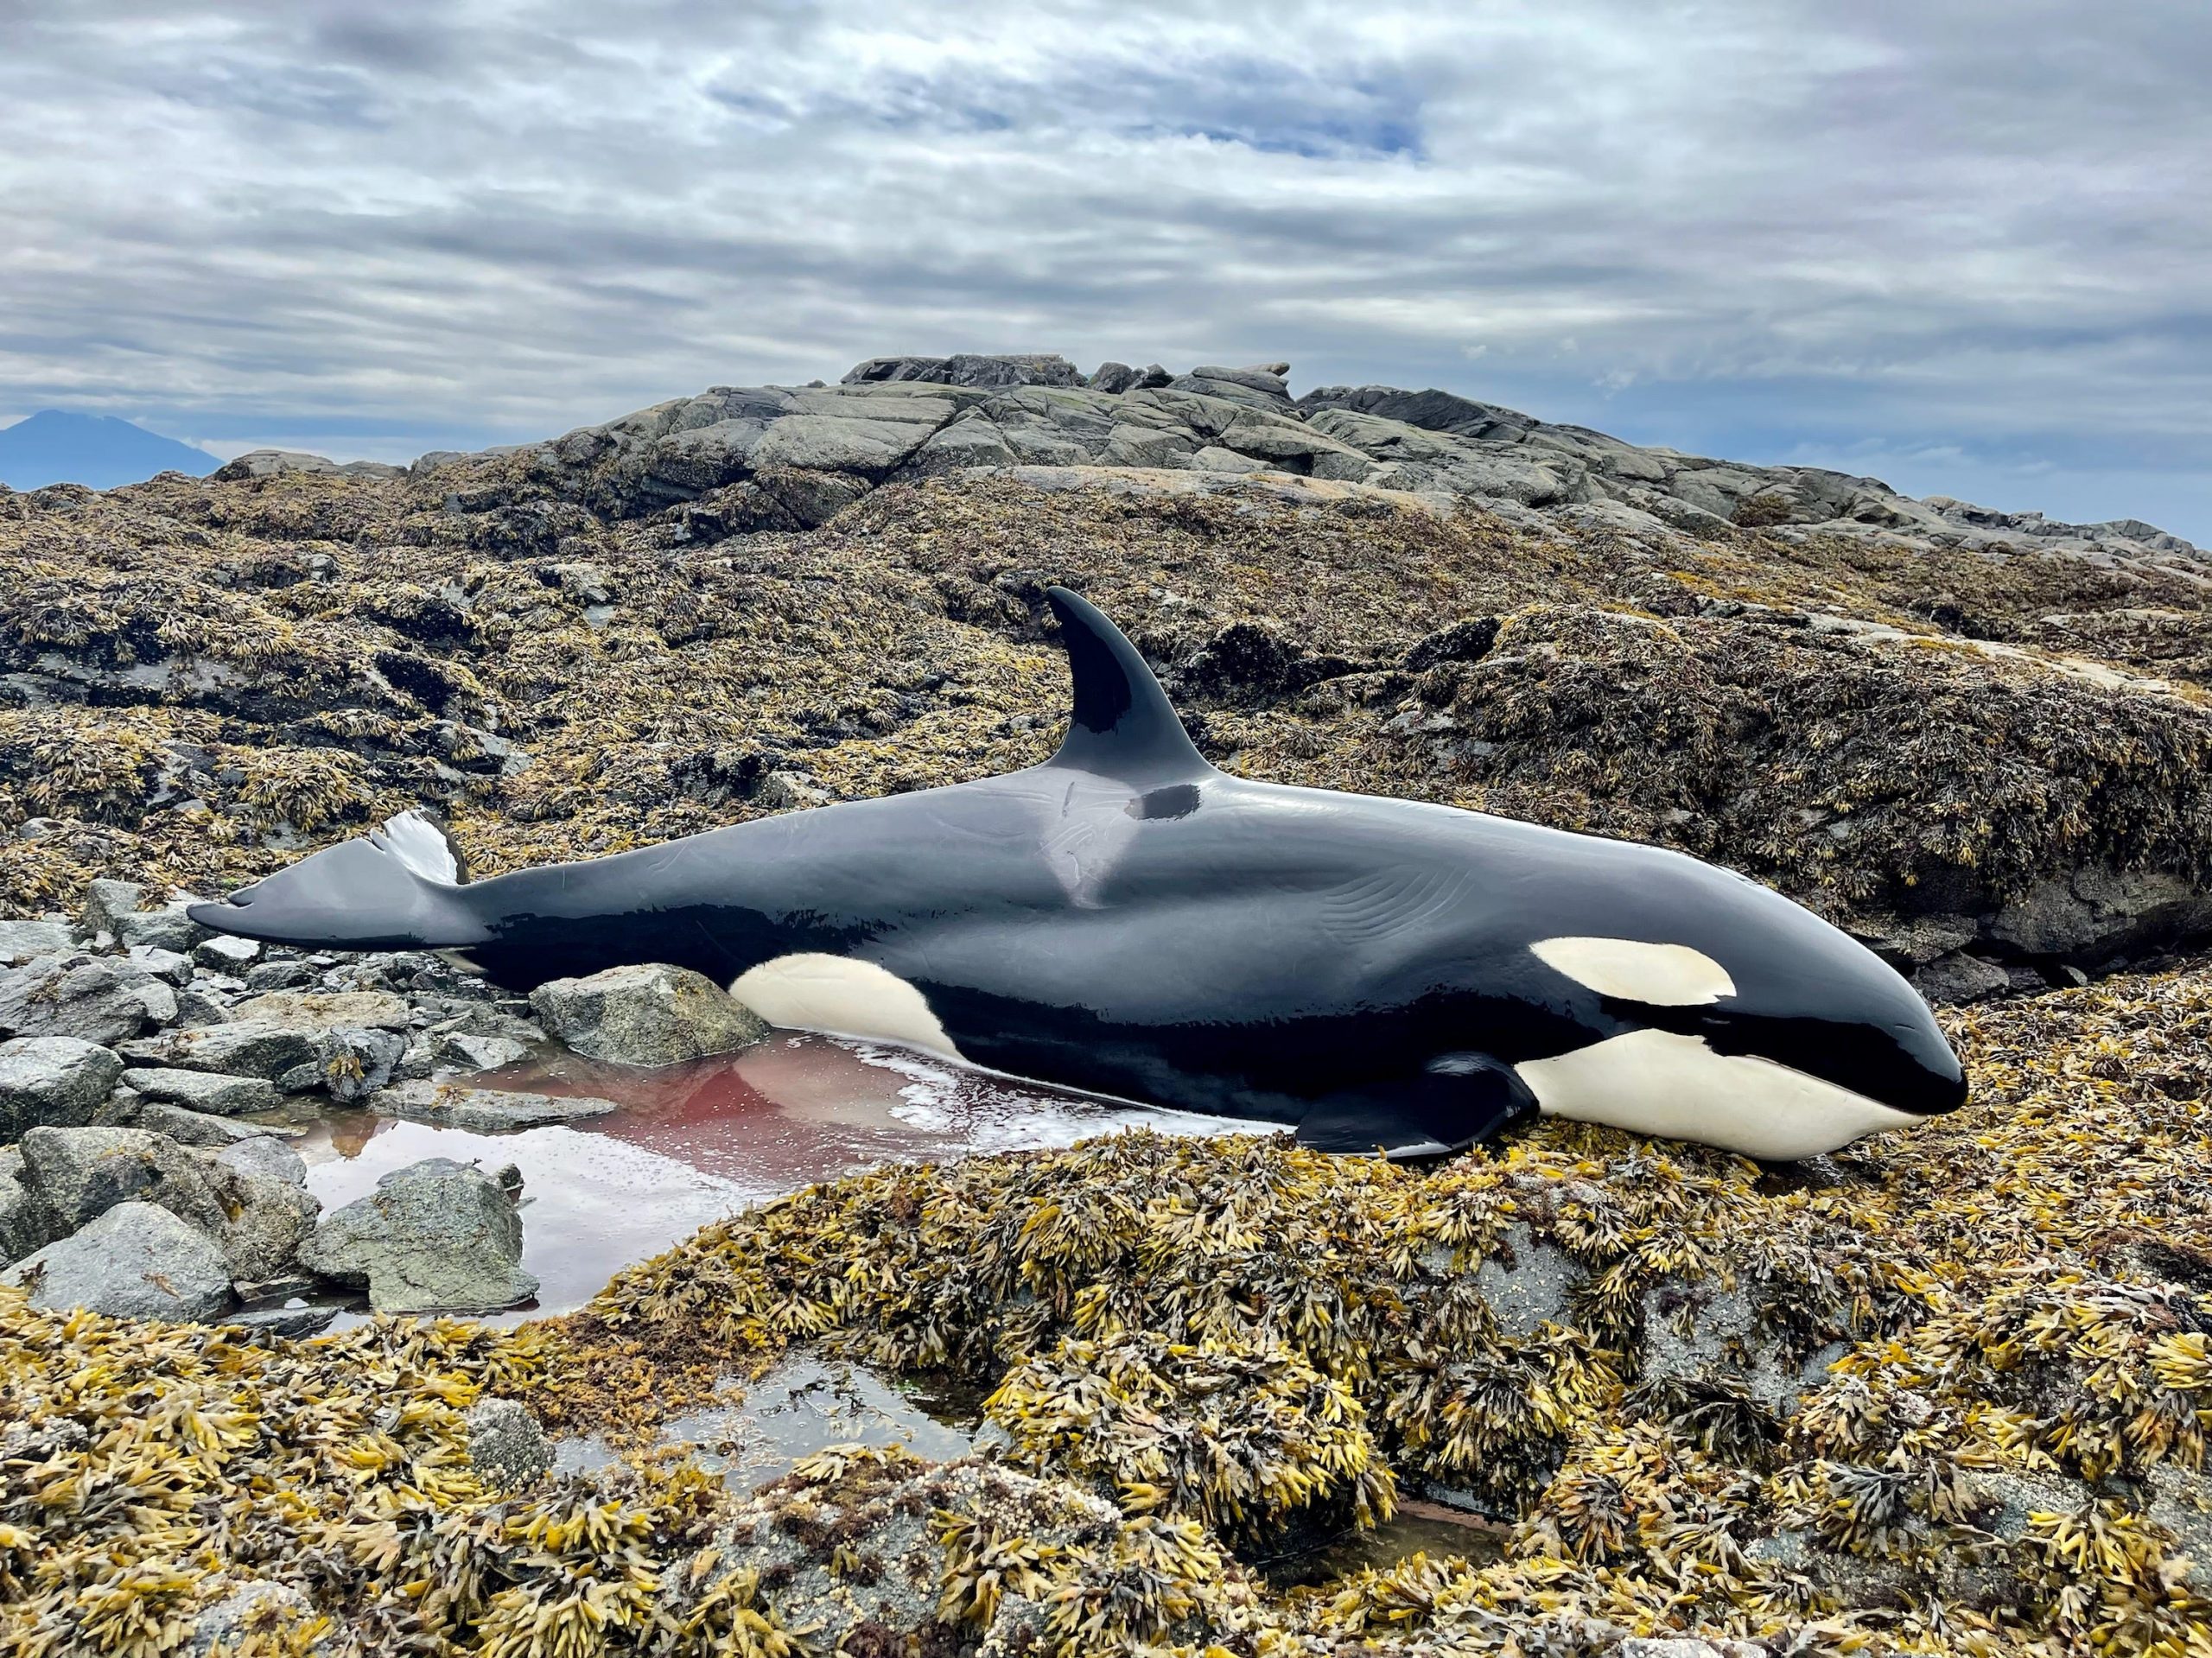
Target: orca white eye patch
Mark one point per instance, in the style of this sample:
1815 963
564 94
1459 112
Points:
1659 975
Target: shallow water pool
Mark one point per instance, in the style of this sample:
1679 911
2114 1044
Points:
693 1143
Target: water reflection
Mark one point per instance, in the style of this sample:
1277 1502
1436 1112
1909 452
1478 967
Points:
693 1143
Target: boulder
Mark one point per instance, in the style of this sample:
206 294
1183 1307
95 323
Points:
76 1175
57 1080
265 1157
190 1127
94 998
21 1230
482 1109
166 928
435 1236
135 1261
505 1443
21 940
106 902
305 1010
651 1014
964 368
211 1091
241 1047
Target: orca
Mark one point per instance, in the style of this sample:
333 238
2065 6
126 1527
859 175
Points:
1128 921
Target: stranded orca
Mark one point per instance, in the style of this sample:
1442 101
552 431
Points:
1126 920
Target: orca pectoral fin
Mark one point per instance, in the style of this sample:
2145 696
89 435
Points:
1461 1100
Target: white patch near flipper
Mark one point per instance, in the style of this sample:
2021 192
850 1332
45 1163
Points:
421 845
840 996
1658 975
1665 1083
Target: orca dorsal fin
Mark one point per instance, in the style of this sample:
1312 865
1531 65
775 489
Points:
1124 727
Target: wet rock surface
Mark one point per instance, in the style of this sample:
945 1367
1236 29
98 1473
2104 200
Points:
92 998
449 1105
437 1235
135 1261
645 1015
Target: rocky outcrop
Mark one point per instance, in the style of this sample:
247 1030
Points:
647 1016
436 1236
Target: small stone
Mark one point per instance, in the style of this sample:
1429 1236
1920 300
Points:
210 1092
505 1443
651 1014
266 1614
226 953
312 1010
435 1236
58 1080
135 1261
286 974
483 1110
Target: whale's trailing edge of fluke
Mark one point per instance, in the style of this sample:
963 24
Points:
397 887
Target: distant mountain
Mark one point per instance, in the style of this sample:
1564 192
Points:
55 447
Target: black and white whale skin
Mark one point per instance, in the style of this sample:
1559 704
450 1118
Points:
1128 921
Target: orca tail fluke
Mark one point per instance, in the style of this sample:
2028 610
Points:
398 887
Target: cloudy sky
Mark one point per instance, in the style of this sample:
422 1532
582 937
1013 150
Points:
1963 246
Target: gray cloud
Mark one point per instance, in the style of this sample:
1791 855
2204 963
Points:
1961 246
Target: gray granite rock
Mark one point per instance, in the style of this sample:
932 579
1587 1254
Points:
241 1047
256 1607
266 1156
106 902
135 1261
651 1014
56 1080
21 940
171 966
435 1236
225 953
304 1010
190 1127
94 998
458 1051
356 1063
211 1091
164 928
484 1110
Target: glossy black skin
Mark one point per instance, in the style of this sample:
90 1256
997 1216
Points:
1125 919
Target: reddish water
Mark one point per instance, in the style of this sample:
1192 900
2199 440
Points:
693 1143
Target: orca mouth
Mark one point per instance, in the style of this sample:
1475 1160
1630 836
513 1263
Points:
1907 1069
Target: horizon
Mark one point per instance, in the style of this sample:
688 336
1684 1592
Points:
1764 233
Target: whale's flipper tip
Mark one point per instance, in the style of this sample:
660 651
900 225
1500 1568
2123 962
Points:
397 887
1458 1102
1123 725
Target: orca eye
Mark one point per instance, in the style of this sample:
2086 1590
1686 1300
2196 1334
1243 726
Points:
1658 975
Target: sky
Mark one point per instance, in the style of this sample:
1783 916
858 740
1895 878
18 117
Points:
1962 247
